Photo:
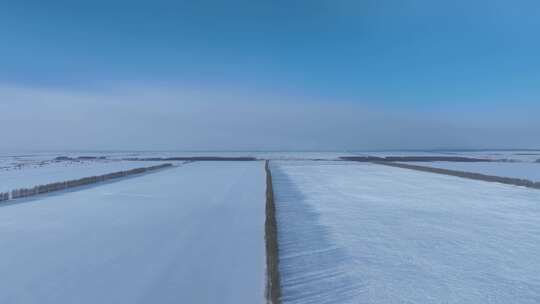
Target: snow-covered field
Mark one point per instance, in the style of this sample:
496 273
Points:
364 233
515 155
36 157
38 172
192 234
404 153
522 170
495 155
349 232
275 155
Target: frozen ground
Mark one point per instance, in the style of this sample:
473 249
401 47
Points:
192 234
37 172
364 233
522 170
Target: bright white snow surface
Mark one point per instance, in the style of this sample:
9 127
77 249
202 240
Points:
31 175
365 233
522 170
191 234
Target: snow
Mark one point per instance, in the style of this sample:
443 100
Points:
522 170
34 172
191 234
510 155
497 155
276 155
406 153
365 233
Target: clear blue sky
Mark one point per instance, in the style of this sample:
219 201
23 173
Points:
469 70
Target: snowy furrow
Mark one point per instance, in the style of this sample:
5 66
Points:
364 233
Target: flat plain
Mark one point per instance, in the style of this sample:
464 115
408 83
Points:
365 233
190 234
348 232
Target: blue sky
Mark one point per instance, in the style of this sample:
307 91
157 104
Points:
458 74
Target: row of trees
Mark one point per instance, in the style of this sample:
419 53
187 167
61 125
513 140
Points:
469 175
273 285
52 187
4 196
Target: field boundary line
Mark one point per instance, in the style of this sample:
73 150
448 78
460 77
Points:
15 194
273 285
463 174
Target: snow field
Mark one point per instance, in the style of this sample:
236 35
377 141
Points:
521 170
364 233
192 234
29 176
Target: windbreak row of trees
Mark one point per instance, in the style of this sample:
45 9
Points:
52 187
194 158
461 159
273 285
469 175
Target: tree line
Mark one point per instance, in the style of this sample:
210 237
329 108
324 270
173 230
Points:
57 186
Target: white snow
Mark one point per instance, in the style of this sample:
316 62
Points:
512 155
192 234
498 155
406 153
39 172
364 233
522 170
276 155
